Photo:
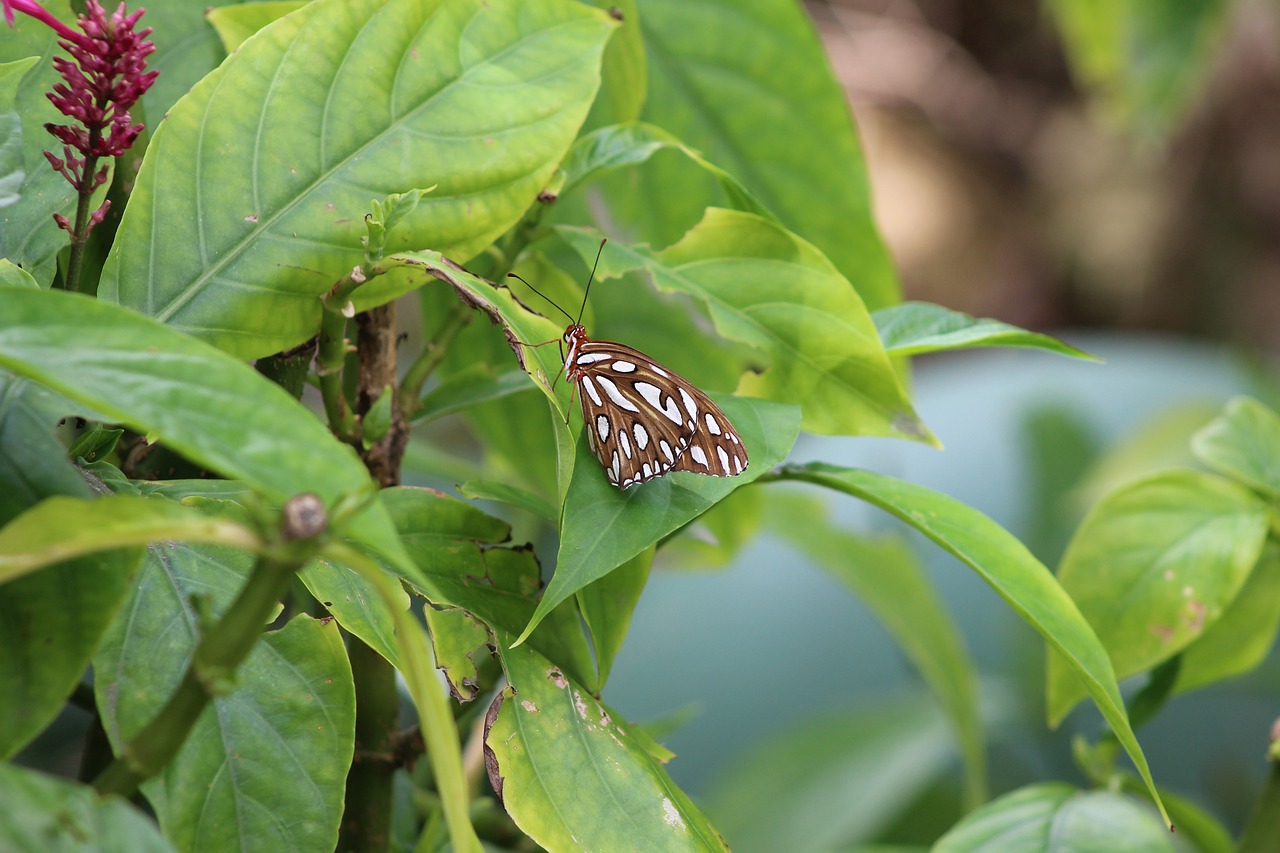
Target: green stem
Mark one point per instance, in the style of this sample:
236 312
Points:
222 649
80 230
431 357
1262 832
330 361
366 819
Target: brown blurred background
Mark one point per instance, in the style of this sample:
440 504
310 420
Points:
1007 187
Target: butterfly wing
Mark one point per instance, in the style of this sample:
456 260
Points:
645 420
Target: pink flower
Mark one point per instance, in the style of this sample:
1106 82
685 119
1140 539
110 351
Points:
105 76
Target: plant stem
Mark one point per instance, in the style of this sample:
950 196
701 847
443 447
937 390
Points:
223 648
80 230
366 819
330 360
432 355
1262 832
376 357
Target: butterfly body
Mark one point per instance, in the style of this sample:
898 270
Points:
642 419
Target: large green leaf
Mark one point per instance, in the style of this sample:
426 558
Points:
206 405
28 234
187 48
292 717
1056 816
1004 563
607 606
52 815
1245 634
770 289
251 199
758 99
602 527
12 170
573 774
1153 566
1145 61
838 777
1243 443
50 621
462 551
885 575
918 327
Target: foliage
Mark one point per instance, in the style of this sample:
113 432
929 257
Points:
320 165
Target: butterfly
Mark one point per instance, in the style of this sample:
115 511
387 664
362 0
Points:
643 420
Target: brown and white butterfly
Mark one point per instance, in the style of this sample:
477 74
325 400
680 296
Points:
643 420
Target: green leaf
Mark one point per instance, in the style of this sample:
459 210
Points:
717 536
378 419
53 815
28 235
291 717
490 490
1009 568
12 171
1154 565
61 528
758 100
917 327
50 621
12 275
1144 61
607 605
603 527
1244 635
214 410
477 384
460 550
1244 444
835 778
1054 815
187 49
234 24
625 83
885 575
632 143
770 289
573 775
251 199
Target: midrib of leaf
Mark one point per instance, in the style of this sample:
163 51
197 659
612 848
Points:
266 225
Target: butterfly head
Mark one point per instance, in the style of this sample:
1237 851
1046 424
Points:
576 333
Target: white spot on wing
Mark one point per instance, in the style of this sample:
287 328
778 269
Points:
590 388
641 434
624 367
659 371
699 456
690 405
666 450
593 357
646 471
724 459
652 395
712 426
624 442
602 427
615 395
613 468
737 464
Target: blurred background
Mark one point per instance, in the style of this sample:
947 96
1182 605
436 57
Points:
1108 172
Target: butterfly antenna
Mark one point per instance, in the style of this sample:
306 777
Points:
590 279
543 295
